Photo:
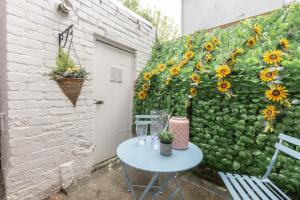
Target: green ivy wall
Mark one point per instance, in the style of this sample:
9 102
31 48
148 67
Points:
230 130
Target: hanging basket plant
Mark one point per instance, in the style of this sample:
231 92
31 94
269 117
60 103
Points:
69 77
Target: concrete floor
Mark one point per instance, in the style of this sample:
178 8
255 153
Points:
108 184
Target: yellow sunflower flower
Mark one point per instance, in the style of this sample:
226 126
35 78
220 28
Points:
268 128
257 29
224 85
189 44
168 80
223 71
142 95
161 67
208 58
209 46
193 92
215 41
154 71
182 62
236 52
276 93
199 66
195 78
170 62
146 86
284 43
251 42
175 70
230 61
270 112
267 75
69 69
147 76
273 57
189 54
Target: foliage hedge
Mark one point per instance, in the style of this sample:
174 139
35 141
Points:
230 130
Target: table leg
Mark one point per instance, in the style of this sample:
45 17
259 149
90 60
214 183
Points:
128 181
149 186
178 189
163 185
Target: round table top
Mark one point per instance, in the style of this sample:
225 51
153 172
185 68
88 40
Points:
147 159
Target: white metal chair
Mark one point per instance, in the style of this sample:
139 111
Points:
250 187
148 119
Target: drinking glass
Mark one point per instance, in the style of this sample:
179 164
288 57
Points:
141 132
157 125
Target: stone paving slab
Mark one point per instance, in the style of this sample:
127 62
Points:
109 184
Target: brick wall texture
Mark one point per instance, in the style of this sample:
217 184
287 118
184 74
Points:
48 143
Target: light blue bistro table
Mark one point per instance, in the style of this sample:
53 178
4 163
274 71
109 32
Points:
146 159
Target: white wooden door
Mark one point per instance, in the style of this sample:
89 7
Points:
113 86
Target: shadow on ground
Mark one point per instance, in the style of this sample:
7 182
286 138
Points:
108 184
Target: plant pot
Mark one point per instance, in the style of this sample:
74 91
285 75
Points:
71 87
165 149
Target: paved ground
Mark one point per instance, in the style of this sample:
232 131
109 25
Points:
108 184
2 191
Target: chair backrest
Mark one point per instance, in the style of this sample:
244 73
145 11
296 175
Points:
281 147
285 138
145 118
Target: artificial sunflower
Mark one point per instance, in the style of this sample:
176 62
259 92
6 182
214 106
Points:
215 41
146 86
277 93
273 57
209 46
147 76
208 58
161 67
195 78
199 66
224 85
251 42
182 62
270 112
168 80
189 54
175 70
142 95
284 43
189 43
230 61
154 71
268 75
170 62
236 52
193 92
222 71
268 128
257 29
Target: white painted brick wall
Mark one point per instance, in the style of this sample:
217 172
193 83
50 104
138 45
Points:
49 143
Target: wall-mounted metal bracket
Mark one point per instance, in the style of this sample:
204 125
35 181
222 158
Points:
64 36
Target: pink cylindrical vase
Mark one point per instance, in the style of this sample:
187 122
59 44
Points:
180 127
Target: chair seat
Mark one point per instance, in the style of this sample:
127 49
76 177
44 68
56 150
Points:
246 187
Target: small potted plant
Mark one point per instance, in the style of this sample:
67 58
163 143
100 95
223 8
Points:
69 77
166 138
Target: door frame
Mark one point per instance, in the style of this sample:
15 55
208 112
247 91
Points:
123 47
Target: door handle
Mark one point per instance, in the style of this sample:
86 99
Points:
99 102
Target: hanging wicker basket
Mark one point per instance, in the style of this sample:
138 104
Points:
71 87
